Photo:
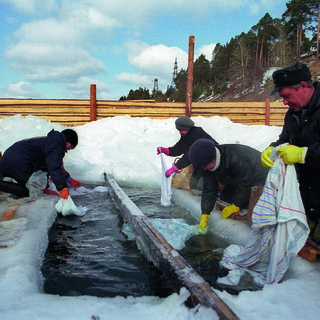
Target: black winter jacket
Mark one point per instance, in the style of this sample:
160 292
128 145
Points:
240 167
184 144
25 157
302 129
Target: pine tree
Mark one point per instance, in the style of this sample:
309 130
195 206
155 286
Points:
300 16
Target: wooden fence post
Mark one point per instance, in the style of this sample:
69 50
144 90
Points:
267 120
190 76
93 102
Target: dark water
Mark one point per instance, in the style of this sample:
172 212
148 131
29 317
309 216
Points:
90 255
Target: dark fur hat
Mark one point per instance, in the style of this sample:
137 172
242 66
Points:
290 76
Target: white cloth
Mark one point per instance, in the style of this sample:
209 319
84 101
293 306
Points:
67 207
166 190
279 229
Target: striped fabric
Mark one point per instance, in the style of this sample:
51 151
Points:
279 229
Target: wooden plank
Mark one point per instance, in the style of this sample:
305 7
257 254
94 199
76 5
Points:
165 257
228 111
151 116
228 104
139 113
10 212
54 106
309 253
43 101
141 103
233 115
50 108
136 109
54 117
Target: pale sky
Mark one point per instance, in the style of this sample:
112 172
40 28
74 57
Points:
57 48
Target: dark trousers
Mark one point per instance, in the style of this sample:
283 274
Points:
18 189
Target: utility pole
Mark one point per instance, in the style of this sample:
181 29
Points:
190 76
317 57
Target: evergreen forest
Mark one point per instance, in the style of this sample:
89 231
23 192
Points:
271 43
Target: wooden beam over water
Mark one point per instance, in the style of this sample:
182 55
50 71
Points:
165 257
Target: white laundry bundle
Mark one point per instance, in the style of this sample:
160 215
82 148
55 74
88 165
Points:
166 190
279 230
67 207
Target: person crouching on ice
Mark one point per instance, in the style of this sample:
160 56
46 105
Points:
25 157
237 167
189 134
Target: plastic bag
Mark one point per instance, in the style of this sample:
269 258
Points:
36 183
67 207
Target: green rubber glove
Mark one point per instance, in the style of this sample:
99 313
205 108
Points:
292 154
229 210
265 159
203 222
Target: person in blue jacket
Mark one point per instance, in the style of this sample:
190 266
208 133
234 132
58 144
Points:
25 157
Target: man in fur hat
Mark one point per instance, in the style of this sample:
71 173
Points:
301 130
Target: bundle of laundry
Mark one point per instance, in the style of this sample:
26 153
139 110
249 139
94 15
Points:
279 230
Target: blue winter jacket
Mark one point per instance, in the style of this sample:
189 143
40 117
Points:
25 157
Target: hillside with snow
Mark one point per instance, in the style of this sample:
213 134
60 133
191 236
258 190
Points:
259 91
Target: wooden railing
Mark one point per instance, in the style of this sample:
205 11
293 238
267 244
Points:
79 112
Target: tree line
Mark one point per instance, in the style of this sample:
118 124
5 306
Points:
270 43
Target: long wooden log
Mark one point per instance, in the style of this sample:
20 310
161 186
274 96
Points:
165 257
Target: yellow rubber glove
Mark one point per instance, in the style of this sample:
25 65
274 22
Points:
292 154
265 159
229 210
203 222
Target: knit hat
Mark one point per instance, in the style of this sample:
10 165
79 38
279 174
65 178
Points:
202 152
71 136
290 76
184 123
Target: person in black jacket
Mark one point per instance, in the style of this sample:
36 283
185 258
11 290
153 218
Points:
237 167
301 130
189 134
25 157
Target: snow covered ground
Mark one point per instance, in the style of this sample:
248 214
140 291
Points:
126 148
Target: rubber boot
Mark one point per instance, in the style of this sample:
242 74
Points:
14 188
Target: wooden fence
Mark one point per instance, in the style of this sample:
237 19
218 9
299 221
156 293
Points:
79 112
